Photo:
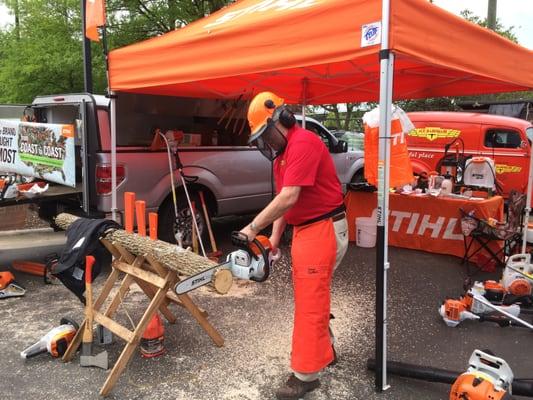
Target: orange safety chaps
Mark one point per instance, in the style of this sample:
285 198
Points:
313 257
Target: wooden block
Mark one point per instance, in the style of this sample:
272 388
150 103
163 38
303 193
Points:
114 327
140 209
129 207
146 276
152 222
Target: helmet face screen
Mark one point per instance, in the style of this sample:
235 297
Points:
271 143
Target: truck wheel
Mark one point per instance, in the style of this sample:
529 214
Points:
358 177
170 225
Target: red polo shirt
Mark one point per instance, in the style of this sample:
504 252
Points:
306 162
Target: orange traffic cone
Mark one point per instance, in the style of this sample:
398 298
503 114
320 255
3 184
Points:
152 339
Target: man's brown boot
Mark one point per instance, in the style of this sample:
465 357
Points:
295 389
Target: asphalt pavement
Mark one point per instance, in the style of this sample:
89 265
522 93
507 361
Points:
256 322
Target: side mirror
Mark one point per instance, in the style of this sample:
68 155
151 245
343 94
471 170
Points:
340 147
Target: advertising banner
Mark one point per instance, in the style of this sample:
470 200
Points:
43 151
425 223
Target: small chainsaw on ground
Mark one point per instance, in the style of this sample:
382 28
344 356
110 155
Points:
252 261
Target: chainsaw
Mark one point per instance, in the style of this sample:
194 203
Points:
252 261
487 378
8 286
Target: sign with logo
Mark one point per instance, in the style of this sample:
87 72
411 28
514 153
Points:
433 133
262 6
43 151
507 169
371 34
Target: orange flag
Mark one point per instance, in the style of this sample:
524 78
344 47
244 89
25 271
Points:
94 17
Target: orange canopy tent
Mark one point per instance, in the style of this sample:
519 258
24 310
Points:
328 51
309 51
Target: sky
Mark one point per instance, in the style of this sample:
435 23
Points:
517 13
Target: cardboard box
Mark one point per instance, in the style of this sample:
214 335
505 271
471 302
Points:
191 139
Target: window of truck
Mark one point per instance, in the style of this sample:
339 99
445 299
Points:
503 139
529 134
104 128
319 132
197 122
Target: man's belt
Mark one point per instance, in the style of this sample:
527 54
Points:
336 214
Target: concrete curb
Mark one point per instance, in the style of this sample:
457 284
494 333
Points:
25 231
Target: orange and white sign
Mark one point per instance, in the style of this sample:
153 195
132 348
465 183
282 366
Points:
423 223
43 151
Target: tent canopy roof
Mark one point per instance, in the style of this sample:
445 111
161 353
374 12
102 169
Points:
310 51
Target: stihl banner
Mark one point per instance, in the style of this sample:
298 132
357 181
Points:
43 151
424 223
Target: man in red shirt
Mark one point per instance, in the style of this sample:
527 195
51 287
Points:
310 198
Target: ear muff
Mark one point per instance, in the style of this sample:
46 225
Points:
284 116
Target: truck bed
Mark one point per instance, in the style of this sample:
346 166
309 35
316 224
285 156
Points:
54 192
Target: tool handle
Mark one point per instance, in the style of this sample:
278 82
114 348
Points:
89 262
88 332
208 222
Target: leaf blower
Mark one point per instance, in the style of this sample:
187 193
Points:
487 378
55 342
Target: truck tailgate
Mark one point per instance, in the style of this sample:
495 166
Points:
54 192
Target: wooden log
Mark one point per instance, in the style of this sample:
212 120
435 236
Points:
182 261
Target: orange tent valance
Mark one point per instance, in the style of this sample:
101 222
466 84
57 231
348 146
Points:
311 51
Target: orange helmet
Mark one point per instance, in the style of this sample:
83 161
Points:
260 111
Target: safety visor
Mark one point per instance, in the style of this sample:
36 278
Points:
270 142
259 132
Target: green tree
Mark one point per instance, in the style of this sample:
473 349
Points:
42 52
499 28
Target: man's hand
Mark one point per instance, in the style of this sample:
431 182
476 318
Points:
250 234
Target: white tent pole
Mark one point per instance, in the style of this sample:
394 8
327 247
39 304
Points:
382 263
304 100
528 201
113 157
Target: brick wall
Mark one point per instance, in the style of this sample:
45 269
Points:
13 217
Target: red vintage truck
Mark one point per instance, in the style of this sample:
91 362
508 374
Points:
444 135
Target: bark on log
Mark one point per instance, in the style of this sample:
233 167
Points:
185 262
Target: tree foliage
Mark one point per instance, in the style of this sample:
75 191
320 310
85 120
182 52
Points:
41 53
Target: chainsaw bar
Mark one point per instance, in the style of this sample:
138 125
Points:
198 280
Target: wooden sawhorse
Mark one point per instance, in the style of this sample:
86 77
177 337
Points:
157 282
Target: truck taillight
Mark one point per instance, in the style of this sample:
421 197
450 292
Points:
103 177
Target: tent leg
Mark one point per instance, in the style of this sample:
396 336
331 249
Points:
382 263
528 201
113 158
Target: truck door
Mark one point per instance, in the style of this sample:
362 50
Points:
510 152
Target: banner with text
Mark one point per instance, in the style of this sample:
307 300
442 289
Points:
43 151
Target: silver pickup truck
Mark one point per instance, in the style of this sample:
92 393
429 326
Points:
234 177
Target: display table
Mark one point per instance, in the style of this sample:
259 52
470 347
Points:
423 223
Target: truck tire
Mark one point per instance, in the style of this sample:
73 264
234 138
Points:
359 176
169 225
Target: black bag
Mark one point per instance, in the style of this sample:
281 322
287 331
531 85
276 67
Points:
82 240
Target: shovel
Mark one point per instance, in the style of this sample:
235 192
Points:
87 359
